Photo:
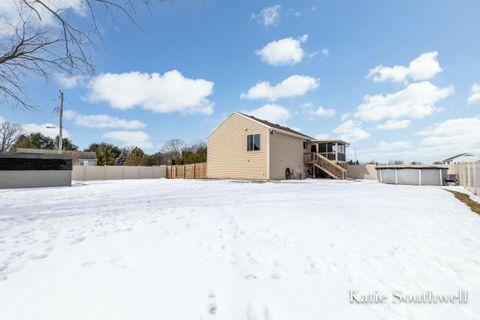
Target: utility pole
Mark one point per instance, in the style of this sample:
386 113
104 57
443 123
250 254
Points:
60 135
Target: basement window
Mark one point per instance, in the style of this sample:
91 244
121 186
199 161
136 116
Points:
253 142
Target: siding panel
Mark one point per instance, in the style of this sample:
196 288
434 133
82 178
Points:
227 154
285 152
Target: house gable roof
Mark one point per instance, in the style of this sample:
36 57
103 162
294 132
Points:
276 126
459 155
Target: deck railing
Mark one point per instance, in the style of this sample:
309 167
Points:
330 167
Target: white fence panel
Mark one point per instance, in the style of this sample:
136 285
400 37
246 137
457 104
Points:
366 172
113 173
85 173
468 175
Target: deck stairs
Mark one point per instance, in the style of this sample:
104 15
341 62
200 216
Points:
330 167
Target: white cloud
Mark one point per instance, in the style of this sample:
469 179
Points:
165 93
441 140
394 145
69 81
416 101
325 51
293 86
139 139
385 156
12 12
271 112
346 116
323 112
394 124
351 131
47 129
474 94
2 120
299 13
284 51
268 16
461 134
423 67
102 121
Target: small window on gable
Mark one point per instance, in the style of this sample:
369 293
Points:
304 145
253 142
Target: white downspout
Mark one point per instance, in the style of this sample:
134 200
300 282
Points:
268 154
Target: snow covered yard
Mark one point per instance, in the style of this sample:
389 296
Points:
174 249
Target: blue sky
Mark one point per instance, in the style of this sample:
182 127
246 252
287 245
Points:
397 79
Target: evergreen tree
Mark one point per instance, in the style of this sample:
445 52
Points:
35 141
106 153
66 145
136 157
191 155
151 160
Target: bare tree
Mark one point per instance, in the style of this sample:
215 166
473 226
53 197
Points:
197 145
44 39
9 133
172 149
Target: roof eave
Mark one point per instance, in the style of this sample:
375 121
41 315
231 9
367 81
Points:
275 129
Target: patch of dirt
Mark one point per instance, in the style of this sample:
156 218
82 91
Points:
465 198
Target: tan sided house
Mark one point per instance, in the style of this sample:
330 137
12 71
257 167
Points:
245 147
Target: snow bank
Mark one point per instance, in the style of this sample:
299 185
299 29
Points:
173 249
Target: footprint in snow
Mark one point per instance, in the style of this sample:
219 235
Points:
78 240
3 266
211 304
38 256
276 276
119 262
250 276
253 315
87 264
102 234
17 253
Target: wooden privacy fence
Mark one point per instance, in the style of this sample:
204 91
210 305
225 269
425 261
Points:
187 171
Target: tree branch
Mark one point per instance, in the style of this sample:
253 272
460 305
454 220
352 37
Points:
37 47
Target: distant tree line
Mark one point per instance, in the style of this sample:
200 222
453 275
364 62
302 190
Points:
39 141
174 151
